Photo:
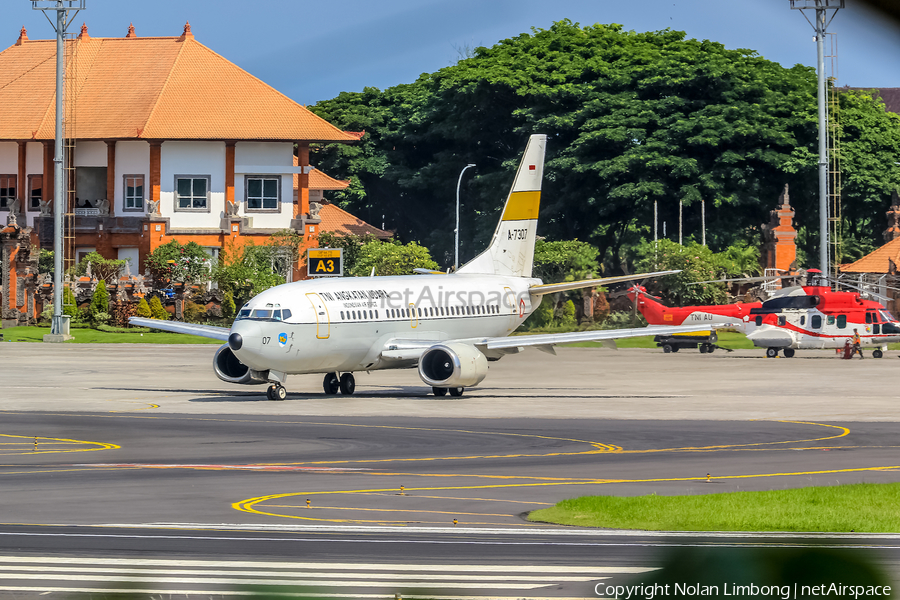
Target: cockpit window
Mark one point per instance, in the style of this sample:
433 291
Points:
244 314
264 314
886 316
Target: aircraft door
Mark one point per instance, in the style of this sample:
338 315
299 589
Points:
413 316
510 308
323 323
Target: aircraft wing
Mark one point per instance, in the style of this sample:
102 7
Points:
550 288
546 341
207 331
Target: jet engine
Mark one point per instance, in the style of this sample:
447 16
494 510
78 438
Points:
229 368
452 365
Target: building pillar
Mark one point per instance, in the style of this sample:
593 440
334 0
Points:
155 176
230 207
301 208
111 176
21 183
49 152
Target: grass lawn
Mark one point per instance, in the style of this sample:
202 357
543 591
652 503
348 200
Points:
92 336
871 507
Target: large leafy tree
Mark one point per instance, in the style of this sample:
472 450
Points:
631 118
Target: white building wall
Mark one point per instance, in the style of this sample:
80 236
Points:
90 154
266 154
198 159
132 158
132 255
9 159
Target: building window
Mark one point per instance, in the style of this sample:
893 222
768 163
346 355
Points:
35 192
134 192
7 190
262 193
192 192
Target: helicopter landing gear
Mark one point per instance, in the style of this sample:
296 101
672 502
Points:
789 353
772 352
331 384
276 391
877 353
348 384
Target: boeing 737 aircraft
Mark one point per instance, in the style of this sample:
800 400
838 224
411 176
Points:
449 325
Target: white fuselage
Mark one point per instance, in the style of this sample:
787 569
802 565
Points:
364 323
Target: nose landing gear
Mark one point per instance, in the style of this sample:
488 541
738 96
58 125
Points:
276 391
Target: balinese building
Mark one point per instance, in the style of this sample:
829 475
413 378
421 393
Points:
169 140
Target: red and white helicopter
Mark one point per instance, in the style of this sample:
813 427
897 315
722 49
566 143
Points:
798 317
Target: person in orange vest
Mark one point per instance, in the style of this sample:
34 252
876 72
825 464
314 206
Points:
857 344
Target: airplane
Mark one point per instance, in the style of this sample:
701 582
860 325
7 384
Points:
448 325
796 317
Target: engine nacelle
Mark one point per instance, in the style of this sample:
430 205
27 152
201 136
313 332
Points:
229 368
452 365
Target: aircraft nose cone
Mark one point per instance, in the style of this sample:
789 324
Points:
235 341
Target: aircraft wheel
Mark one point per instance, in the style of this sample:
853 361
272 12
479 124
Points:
704 348
456 391
877 354
667 348
772 352
270 392
439 391
280 393
331 384
789 353
348 384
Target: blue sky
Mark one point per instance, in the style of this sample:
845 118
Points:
314 50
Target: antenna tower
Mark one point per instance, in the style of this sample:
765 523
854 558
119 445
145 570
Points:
822 20
836 218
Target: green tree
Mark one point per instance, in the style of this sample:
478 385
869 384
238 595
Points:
99 309
157 310
696 262
102 269
392 258
350 243
632 118
70 304
568 260
45 261
177 263
143 309
245 271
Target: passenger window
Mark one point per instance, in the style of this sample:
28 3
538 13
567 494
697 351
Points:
816 321
376 314
782 321
342 315
868 318
758 320
842 321
830 320
802 320
876 328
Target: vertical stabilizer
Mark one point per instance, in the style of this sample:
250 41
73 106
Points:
512 249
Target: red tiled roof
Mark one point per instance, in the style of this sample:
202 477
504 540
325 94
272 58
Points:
339 221
152 88
877 261
318 180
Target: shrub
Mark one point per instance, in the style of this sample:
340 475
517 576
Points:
100 303
157 310
143 309
228 307
567 318
193 312
70 305
542 315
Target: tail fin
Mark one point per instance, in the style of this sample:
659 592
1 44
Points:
512 250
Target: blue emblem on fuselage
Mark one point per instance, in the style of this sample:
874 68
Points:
282 339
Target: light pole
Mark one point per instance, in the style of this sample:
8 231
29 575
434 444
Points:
59 330
456 231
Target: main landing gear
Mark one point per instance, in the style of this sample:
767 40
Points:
276 391
346 384
442 391
773 352
877 353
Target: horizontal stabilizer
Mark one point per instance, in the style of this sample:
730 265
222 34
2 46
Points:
550 288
